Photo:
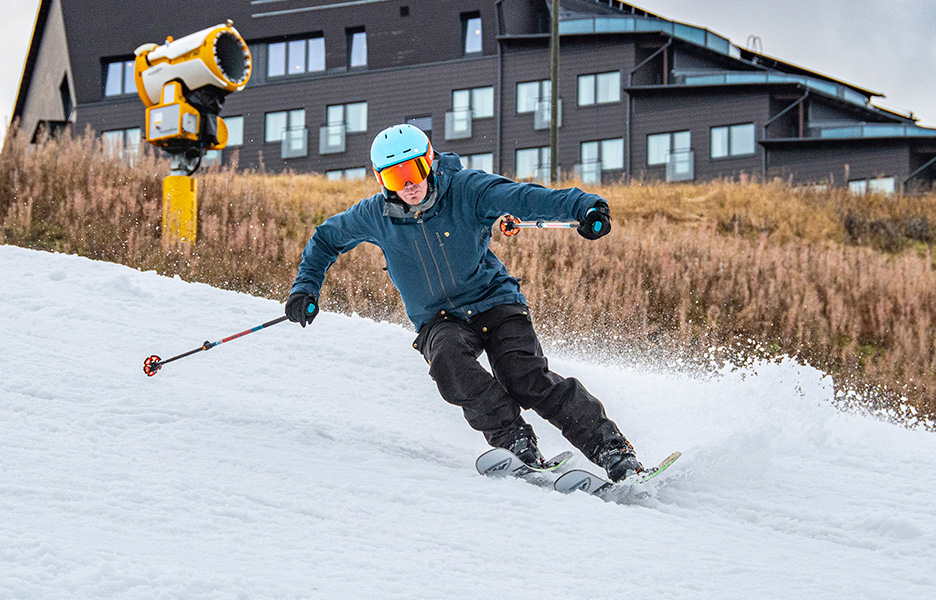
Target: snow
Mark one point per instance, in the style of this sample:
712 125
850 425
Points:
322 463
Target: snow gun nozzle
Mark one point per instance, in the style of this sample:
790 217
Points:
151 365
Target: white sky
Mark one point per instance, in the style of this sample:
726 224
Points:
883 45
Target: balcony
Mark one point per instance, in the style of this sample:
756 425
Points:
680 166
542 114
295 143
332 138
875 130
741 77
589 171
458 124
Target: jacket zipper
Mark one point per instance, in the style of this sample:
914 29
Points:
445 256
434 261
425 268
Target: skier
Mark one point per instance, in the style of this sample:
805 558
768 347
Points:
433 221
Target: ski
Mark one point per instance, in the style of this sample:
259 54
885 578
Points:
580 479
499 462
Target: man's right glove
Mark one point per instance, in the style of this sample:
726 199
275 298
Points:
597 222
302 308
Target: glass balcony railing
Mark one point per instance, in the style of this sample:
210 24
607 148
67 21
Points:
876 130
633 24
730 77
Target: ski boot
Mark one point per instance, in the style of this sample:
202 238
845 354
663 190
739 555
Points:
525 448
619 461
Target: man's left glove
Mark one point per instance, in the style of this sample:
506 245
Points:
597 222
302 308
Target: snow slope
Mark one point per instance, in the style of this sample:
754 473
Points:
321 463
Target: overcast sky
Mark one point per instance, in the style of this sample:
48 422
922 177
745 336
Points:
886 46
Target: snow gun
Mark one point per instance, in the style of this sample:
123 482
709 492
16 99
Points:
511 226
154 363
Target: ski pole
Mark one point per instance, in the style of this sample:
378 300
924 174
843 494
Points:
511 226
154 363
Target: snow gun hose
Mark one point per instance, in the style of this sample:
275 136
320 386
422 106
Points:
154 363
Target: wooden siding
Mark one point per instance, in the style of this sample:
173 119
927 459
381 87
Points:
698 113
858 159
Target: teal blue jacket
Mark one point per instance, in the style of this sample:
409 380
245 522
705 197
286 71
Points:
441 260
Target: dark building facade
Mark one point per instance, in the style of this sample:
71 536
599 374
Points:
641 96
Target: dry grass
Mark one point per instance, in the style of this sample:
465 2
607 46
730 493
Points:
844 283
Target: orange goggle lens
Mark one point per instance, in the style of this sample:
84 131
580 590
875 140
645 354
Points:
395 178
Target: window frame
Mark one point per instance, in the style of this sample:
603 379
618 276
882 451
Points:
472 104
282 51
588 83
543 158
125 73
228 121
671 146
290 115
346 114
729 142
356 38
472 43
544 87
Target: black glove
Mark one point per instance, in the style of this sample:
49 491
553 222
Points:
597 222
302 308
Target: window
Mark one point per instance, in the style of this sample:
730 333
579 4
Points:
600 88
661 145
357 47
424 123
601 155
533 163
479 101
278 123
65 93
118 78
530 93
122 143
297 56
733 140
354 173
352 116
481 162
235 127
471 32
880 185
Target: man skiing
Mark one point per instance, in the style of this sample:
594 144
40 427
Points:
433 222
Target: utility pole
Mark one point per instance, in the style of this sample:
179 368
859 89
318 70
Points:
554 93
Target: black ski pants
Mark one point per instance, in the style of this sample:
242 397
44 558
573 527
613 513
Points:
521 379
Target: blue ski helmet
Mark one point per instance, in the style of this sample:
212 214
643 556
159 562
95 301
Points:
401 154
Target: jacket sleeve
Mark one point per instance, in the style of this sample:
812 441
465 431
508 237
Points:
497 196
339 233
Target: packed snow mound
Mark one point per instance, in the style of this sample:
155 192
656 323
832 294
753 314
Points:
322 463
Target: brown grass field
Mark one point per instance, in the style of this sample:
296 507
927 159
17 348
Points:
728 269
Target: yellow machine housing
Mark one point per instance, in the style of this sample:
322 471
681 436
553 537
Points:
217 57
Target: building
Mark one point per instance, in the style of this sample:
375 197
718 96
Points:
641 96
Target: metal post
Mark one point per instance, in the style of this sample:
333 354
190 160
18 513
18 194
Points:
554 94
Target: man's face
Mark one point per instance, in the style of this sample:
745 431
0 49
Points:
414 193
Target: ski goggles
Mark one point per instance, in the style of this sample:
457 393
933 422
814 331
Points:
395 178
